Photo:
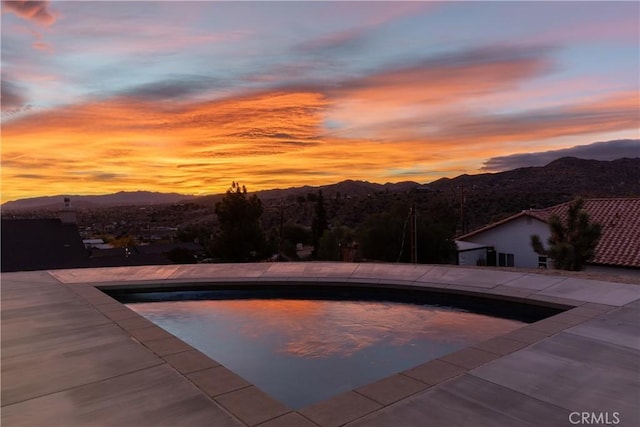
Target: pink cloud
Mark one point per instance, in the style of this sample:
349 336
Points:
35 11
431 88
619 31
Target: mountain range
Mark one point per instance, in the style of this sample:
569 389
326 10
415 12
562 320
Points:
568 176
121 198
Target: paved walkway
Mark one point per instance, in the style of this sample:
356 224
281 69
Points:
73 356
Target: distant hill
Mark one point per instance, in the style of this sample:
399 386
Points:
348 187
493 196
489 194
487 197
568 175
122 198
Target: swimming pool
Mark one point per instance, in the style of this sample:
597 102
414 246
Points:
302 346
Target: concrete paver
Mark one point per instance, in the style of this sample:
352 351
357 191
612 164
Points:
469 357
570 317
594 291
207 271
114 274
548 326
149 334
434 372
466 401
132 323
32 278
527 336
123 313
251 405
395 272
620 327
468 277
340 409
72 354
57 361
166 346
217 380
635 305
28 322
155 396
509 291
573 372
190 361
392 389
500 345
535 282
292 419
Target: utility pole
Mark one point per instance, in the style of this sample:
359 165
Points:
463 227
281 227
414 234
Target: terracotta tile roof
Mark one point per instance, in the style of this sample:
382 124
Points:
620 221
619 218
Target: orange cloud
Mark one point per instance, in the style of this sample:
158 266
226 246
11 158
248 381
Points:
612 113
145 145
425 91
276 139
320 329
31 10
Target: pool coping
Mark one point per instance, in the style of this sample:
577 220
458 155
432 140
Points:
584 300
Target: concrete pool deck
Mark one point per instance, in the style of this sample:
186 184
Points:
73 356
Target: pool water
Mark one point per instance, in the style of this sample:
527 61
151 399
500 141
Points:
302 351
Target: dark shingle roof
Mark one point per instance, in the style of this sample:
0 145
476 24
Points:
40 244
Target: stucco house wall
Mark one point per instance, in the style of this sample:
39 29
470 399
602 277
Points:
514 237
471 257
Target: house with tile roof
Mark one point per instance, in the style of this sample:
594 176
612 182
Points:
508 242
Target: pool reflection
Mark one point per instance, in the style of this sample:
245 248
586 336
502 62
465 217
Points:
302 351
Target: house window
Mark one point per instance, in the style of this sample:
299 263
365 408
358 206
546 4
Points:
505 260
510 261
542 262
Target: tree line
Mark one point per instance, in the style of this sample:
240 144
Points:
382 236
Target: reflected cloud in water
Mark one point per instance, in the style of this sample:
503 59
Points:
314 329
304 351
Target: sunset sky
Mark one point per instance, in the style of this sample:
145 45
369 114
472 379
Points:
100 97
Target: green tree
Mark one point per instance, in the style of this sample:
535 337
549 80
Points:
241 237
386 237
296 233
381 237
319 224
125 241
292 234
572 244
331 242
435 243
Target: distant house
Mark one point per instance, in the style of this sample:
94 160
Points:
40 244
43 244
156 254
508 242
55 243
96 244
